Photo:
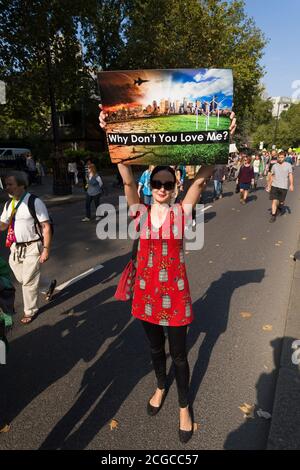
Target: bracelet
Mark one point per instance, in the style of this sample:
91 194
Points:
46 248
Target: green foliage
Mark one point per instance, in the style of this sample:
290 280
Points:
102 160
284 134
47 42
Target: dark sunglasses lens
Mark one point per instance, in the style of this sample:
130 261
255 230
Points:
169 185
156 184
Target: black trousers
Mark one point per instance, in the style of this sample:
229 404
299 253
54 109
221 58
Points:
177 346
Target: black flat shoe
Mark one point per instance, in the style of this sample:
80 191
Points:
185 436
153 410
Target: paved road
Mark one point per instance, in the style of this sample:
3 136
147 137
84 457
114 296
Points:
84 360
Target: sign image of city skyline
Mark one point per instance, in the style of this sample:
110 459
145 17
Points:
176 116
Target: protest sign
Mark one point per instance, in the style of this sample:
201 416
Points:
165 117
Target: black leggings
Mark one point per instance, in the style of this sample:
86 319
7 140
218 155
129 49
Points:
177 346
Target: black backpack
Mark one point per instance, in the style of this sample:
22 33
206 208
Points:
37 224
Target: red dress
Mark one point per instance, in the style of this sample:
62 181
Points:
161 292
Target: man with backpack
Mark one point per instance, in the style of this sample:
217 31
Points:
29 234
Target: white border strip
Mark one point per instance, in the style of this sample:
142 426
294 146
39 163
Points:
77 278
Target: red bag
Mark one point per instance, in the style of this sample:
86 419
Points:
127 280
126 283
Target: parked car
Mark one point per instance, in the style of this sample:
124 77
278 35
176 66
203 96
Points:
12 159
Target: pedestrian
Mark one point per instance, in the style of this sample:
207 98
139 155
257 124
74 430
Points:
161 291
29 246
219 176
40 172
245 179
93 191
144 185
279 181
257 168
73 172
31 168
161 295
289 157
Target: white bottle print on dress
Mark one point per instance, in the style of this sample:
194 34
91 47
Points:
150 260
187 310
163 275
148 310
166 301
164 248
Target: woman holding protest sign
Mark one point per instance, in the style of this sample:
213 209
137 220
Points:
161 296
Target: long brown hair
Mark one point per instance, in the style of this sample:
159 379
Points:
92 169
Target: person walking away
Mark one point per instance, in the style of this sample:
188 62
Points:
245 179
31 168
219 176
29 245
257 169
40 172
280 180
289 156
73 173
93 193
144 185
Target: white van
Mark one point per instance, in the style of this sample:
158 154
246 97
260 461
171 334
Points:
12 153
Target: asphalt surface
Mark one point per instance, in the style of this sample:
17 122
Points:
84 361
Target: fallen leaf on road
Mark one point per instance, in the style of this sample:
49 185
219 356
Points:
263 414
277 244
246 314
244 238
113 424
217 244
279 241
196 426
233 208
5 428
210 262
267 327
247 409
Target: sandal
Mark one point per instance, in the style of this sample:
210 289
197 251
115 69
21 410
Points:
26 319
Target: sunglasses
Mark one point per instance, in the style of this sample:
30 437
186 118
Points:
168 185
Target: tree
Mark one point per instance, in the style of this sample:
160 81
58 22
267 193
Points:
40 56
195 33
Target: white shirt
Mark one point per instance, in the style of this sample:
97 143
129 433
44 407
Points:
256 165
24 223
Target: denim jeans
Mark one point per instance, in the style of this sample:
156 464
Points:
218 188
147 200
88 203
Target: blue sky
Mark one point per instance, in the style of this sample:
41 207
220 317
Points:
280 21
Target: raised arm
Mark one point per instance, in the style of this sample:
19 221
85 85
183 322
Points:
130 188
196 188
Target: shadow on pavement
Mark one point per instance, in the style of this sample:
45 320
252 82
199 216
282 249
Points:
211 318
240 439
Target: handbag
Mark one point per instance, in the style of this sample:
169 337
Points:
126 283
11 237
